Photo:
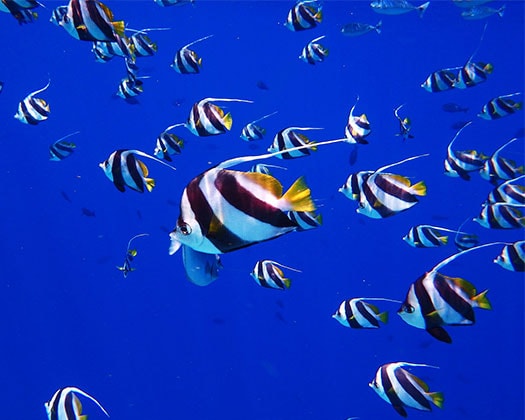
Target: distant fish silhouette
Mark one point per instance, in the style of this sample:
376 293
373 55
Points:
453 107
65 196
261 85
87 212
458 125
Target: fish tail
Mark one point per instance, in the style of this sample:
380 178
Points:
421 9
437 398
420 188
119 27
150 183
488 68
228 121
298 196
482 301
319 16
383 317
287 282
443 240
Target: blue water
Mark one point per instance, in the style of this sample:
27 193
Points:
154 345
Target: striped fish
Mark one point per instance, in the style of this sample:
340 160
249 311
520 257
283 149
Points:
465 241
401 389
106 50
501 216
384 195
21 10
65 404
124 169
264 168
143 46
187 61
500 107
33 110
267 273
252 131
168 144
460 163
353 186
356 313
357 128
61 149
200 268
512 257
129 88
207 119
305 220
472 74
508 192
427 236
57 15
130 255
405 125
91 20
306 14
498 169
289 138
435 300
440 80
314 52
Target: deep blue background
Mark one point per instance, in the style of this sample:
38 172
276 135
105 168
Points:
156 346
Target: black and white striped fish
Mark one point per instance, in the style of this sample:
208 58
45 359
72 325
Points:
264 168
384 195
512 257
61 149
305 220
356 313
33 110
496 168
401 389
200 268
501 216
57 15
313 52
252 131
131 253
129 88
405 125
435 300
304 15
289 138
168 144
106 50
187 61
463 240
65 404
352 188
21 10
440 80
509 192
500 107
459 163
91 20
208 119
472 74
427 236
267 273
357 128
142 44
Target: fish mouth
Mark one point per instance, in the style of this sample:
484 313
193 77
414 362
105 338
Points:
175 244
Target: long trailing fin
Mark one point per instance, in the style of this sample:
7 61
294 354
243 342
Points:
143 154
136 236
85 394
479 44
284 266
400 162
502 147
40 90
317 39
457 134
380 299
266 116
417 365
198 40
67 136
443 229
173 126
227 100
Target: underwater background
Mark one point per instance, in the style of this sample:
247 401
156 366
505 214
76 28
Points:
154 345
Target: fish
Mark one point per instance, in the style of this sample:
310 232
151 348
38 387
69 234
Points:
453 107
129 88
143 46
482 12
501 216
314 52
353 186
200 268
267 273
126 267
460 163
21 10
397 7
124 169
427 236
357 28
500 107
1 86
305 220
106 50
61 149
385 195
288 138
65 404
472 74
264 168
262 85
496 168
463 240
512 257
405 125
356 313
166 3
357 128
87 212
33 110
252 131
306 14
187 61
401 389
57 15
469 3
168 144
65 196
508 192
91 20
208 119
440 80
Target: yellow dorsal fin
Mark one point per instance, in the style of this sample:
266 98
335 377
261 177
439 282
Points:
298 196
132 252
143 167
419 189
419 381
269 183
443 239
107 11
227 121
398 178
373 307
287 282
119 27
363 118
463 284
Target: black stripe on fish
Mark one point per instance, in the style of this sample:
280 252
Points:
450 296
364 311
407 385
391 393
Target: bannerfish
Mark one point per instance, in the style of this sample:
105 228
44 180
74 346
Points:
405 125
313 52
508 192
441 80
427 236
501 216
267 273
33 110
512 257
306 14
252 131
357 128
187 61
289 138
168 144
61 149
357 313
65 404
472 74
397 7
21 10
131 253
500 107
305 220
357 28
496 168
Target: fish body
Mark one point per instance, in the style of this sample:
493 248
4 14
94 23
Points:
21 10
482 12
65 404
168 144
512 257
143 46
267 273
187 61
166 3
126 267
358 127
426 236
500 107
472 74
397 7
125 170
405 125
252 131
57 15
498 169
305 220
289 138
357 28
356 313
304 15
121 47
61 149
129 88
353 186
200 268
33 110
508 192
440 80
501 216
314 52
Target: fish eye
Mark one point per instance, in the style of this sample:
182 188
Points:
407 308
184 228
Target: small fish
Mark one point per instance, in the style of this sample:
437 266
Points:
61 149
200 268
264 168
500 106
1 86
401 389
106 50
252 131
57 15
187 61
427 236
305 220
501 216
440 80
267 273
304 15
168 144
508 192
472 74
353 187
357 128
482 12
405 125
496 168
130 255
33 110
453 107
65 196
87 212
465 241
261 85
356 313
357 28
65 405
512 257
21 10
289 138
397 7
314 52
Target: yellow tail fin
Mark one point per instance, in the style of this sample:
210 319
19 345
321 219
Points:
298 196
482 300
419 189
